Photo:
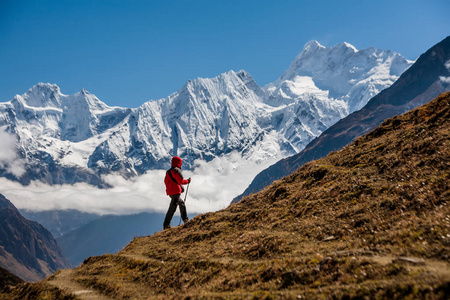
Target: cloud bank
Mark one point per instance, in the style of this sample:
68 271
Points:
214 184
8 155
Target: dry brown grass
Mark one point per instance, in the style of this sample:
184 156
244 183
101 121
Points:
34 291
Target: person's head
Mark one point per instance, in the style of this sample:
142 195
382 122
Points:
177 162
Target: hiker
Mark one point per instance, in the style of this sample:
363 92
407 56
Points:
174 180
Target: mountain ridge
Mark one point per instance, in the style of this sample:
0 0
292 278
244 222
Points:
79 138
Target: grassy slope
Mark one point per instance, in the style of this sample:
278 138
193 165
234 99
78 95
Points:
7 278
372 219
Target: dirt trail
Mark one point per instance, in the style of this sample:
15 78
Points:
64 281
439 268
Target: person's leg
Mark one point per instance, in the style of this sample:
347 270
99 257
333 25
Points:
171 210
183 212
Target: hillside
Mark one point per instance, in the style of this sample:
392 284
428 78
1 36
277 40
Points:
7 278
369 220
27 249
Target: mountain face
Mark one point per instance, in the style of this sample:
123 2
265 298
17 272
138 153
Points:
77 138
368 221
60 222
27 249
204 119
425 79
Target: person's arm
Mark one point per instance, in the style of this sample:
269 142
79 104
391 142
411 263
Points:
179 177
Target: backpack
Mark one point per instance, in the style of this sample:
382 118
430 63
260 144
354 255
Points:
171 176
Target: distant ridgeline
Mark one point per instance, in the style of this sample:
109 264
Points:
77 138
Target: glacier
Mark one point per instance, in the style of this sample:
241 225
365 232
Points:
78 138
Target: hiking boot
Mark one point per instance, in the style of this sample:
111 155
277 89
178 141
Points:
185 220
167 227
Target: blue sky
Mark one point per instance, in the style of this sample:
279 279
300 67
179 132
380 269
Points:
129 52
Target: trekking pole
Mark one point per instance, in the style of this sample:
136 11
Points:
185 197
187 189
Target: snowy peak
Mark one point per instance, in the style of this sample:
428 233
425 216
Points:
43 95
344 72
49 96
316 59
226 86
87 100
225 81
343 48
43 111
311 47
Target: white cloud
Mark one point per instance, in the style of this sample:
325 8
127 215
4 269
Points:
445 79
214 184
8 155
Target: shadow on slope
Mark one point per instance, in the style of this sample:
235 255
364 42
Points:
27 249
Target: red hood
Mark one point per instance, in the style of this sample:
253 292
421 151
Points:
176 162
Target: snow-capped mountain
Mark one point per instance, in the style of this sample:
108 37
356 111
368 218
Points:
323 85
204 119
72 118
72 138
342 72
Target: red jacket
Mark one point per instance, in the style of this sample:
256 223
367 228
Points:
173 188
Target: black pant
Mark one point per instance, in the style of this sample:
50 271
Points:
176 200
